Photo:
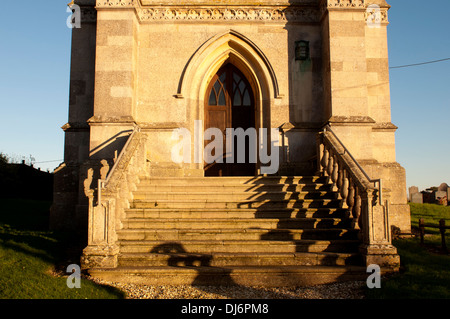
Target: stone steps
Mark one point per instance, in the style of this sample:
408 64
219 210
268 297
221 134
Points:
237 259
261 204
236 213
230 187
241 223
228 230
234 180
253 246
235 234
232 195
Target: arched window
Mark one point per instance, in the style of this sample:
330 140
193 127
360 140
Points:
218 91
241 94
229 87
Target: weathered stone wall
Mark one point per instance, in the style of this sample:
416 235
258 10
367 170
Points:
69 209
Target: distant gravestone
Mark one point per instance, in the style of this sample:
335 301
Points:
441 197
416 198
428 197
443 187
440 194
412 190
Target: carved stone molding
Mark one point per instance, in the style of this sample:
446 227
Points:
345 3
376 15
173 12
116 3
266 14
277 13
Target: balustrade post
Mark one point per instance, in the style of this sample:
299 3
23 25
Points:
340 176
377 247
357 210
320 153
324 162
102 250
330 165
334 173
344 188
351 196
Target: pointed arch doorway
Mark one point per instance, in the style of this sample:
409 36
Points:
230 103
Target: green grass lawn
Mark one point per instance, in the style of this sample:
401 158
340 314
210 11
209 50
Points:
425 271
29 253
431 214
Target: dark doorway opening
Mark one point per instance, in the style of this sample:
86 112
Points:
230 103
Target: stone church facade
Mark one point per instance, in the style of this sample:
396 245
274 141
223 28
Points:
315 70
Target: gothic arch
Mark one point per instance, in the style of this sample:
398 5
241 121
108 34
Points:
214 52
229 47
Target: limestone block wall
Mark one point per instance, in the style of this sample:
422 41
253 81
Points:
115 77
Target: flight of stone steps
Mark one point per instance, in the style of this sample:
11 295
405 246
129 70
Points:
269 231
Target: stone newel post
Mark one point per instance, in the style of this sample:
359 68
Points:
377 245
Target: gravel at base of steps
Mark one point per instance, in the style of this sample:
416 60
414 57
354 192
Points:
341 290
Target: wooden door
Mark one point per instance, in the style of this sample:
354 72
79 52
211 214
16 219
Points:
229 103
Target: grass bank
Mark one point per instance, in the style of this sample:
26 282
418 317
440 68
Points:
425 271
29 253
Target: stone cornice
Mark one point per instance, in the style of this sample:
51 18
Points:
113 120
235 3
116 3
384 127
238 13
351 120
345 4
303 11
376 11
362 120
283 11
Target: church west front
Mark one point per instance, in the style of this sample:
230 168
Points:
223 89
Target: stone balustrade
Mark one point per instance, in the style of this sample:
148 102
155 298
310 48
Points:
366 200
108 201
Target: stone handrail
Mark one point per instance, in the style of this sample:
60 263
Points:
362 196
375 182
119 169
114 194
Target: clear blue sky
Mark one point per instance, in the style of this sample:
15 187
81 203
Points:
34 84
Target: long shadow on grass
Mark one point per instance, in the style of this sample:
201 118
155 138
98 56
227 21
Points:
423 275
24 229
